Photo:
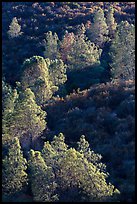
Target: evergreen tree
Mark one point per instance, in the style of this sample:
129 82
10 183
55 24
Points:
9 98
78 171
83 147
122 52
42 179
43 77
98 32
14 177
51 45
36 77
14 29
49 154
6 92
57 72
83 53
54 151
111 23
66 45
58 143
27 120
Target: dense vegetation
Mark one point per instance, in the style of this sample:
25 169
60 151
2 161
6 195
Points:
68 102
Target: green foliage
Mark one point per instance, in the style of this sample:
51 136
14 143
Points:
9 97
6 92
14 29
43 77
110 20
122 52
42 179
58 143
83 147
36 77
82 52
57 72
27 120
51 45
98 31
78 169
14 177
104 113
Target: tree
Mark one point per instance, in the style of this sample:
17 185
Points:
83 147
51 45
27 120
110 20
52 152
58 143
14 29
14 165
57 75
76 172
98 32
43 77
122 52
66 45
6 92
83 53
57 72
42 179
8 102
36 77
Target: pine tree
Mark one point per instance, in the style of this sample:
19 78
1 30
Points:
78 171
14 177
51 45
57 75
6 92
83 53
9 99
111 23
14 29
98 32
57 72
58 143
122 52
49 154
90 155
27 121
66 45
42 179
43 76
36 77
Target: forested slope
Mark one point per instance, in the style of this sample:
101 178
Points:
68 101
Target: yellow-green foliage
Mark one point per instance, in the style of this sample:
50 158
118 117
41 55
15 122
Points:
36 77
51 44
98 32
43 77
74 169
25 119
14 177
42 178
82 53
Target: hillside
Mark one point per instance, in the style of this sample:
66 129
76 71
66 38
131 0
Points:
68 101
36 19
105 115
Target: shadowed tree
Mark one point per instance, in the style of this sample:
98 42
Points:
14 29
122 52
